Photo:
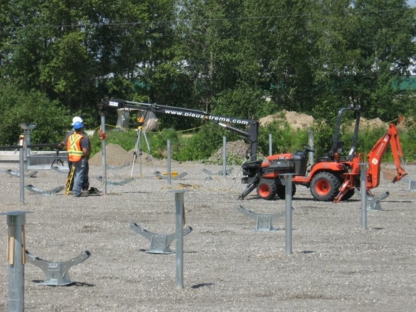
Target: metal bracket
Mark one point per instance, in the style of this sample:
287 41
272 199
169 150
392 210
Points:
57 161
162 176
373 202
210 173
264 222
17 173
159 243
128 180
57 272
58 169
52 192
412 185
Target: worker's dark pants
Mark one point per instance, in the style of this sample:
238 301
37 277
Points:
78 176
85 181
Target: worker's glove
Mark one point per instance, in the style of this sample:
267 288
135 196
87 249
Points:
60 145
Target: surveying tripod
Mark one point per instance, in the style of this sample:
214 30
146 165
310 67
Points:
138 150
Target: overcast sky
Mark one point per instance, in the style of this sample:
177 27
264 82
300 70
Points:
411 2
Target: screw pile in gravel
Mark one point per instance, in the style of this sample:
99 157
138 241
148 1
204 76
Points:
228 266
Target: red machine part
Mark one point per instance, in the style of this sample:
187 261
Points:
374 159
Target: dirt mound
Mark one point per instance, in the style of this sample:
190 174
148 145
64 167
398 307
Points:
115 156
294 119
236 149
405 123
368 124
372 123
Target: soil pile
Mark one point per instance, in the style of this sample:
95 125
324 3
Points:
302 121
295 120
115 156
405 123
236 149
370 124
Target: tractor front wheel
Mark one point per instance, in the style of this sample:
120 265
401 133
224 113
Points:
325 186
266 189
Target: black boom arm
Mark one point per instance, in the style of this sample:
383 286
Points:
252 125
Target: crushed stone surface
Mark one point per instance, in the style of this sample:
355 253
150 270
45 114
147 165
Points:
335 265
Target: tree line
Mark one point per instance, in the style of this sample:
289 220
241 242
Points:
239 58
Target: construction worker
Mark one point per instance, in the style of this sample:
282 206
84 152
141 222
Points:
78 153
86 183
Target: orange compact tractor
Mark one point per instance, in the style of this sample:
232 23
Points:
333 177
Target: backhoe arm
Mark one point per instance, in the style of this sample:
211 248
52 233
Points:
376 154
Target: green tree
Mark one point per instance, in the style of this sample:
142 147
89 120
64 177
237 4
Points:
275 51
383 35
364 46
68 49
17 106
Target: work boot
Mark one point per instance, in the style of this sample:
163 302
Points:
93 190
84 194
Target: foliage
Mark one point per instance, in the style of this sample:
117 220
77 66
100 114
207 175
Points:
202 144
52 120
284 138
223 57
368 137
129 139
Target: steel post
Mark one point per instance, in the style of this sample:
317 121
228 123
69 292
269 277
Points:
288 205
169 165
270 145
363 175
22 176
25 160
224 156
103 152
180 222
16 258
311 144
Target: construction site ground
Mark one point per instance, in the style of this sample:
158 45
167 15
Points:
228 266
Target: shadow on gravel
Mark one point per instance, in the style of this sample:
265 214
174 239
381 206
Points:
278 199
79 284
398 201
164 254
202 285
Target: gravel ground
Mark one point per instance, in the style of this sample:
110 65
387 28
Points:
228 266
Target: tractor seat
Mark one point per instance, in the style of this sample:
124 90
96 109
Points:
324 158
253 164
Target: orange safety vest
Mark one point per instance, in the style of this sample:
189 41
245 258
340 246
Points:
75 152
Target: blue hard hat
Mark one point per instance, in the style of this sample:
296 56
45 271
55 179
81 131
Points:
78 125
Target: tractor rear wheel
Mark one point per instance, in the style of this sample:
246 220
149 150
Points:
325 186
266 189
281 191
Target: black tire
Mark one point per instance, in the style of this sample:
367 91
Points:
281 191
348 195
266 189
325 186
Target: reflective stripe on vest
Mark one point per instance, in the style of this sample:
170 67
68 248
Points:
75 152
